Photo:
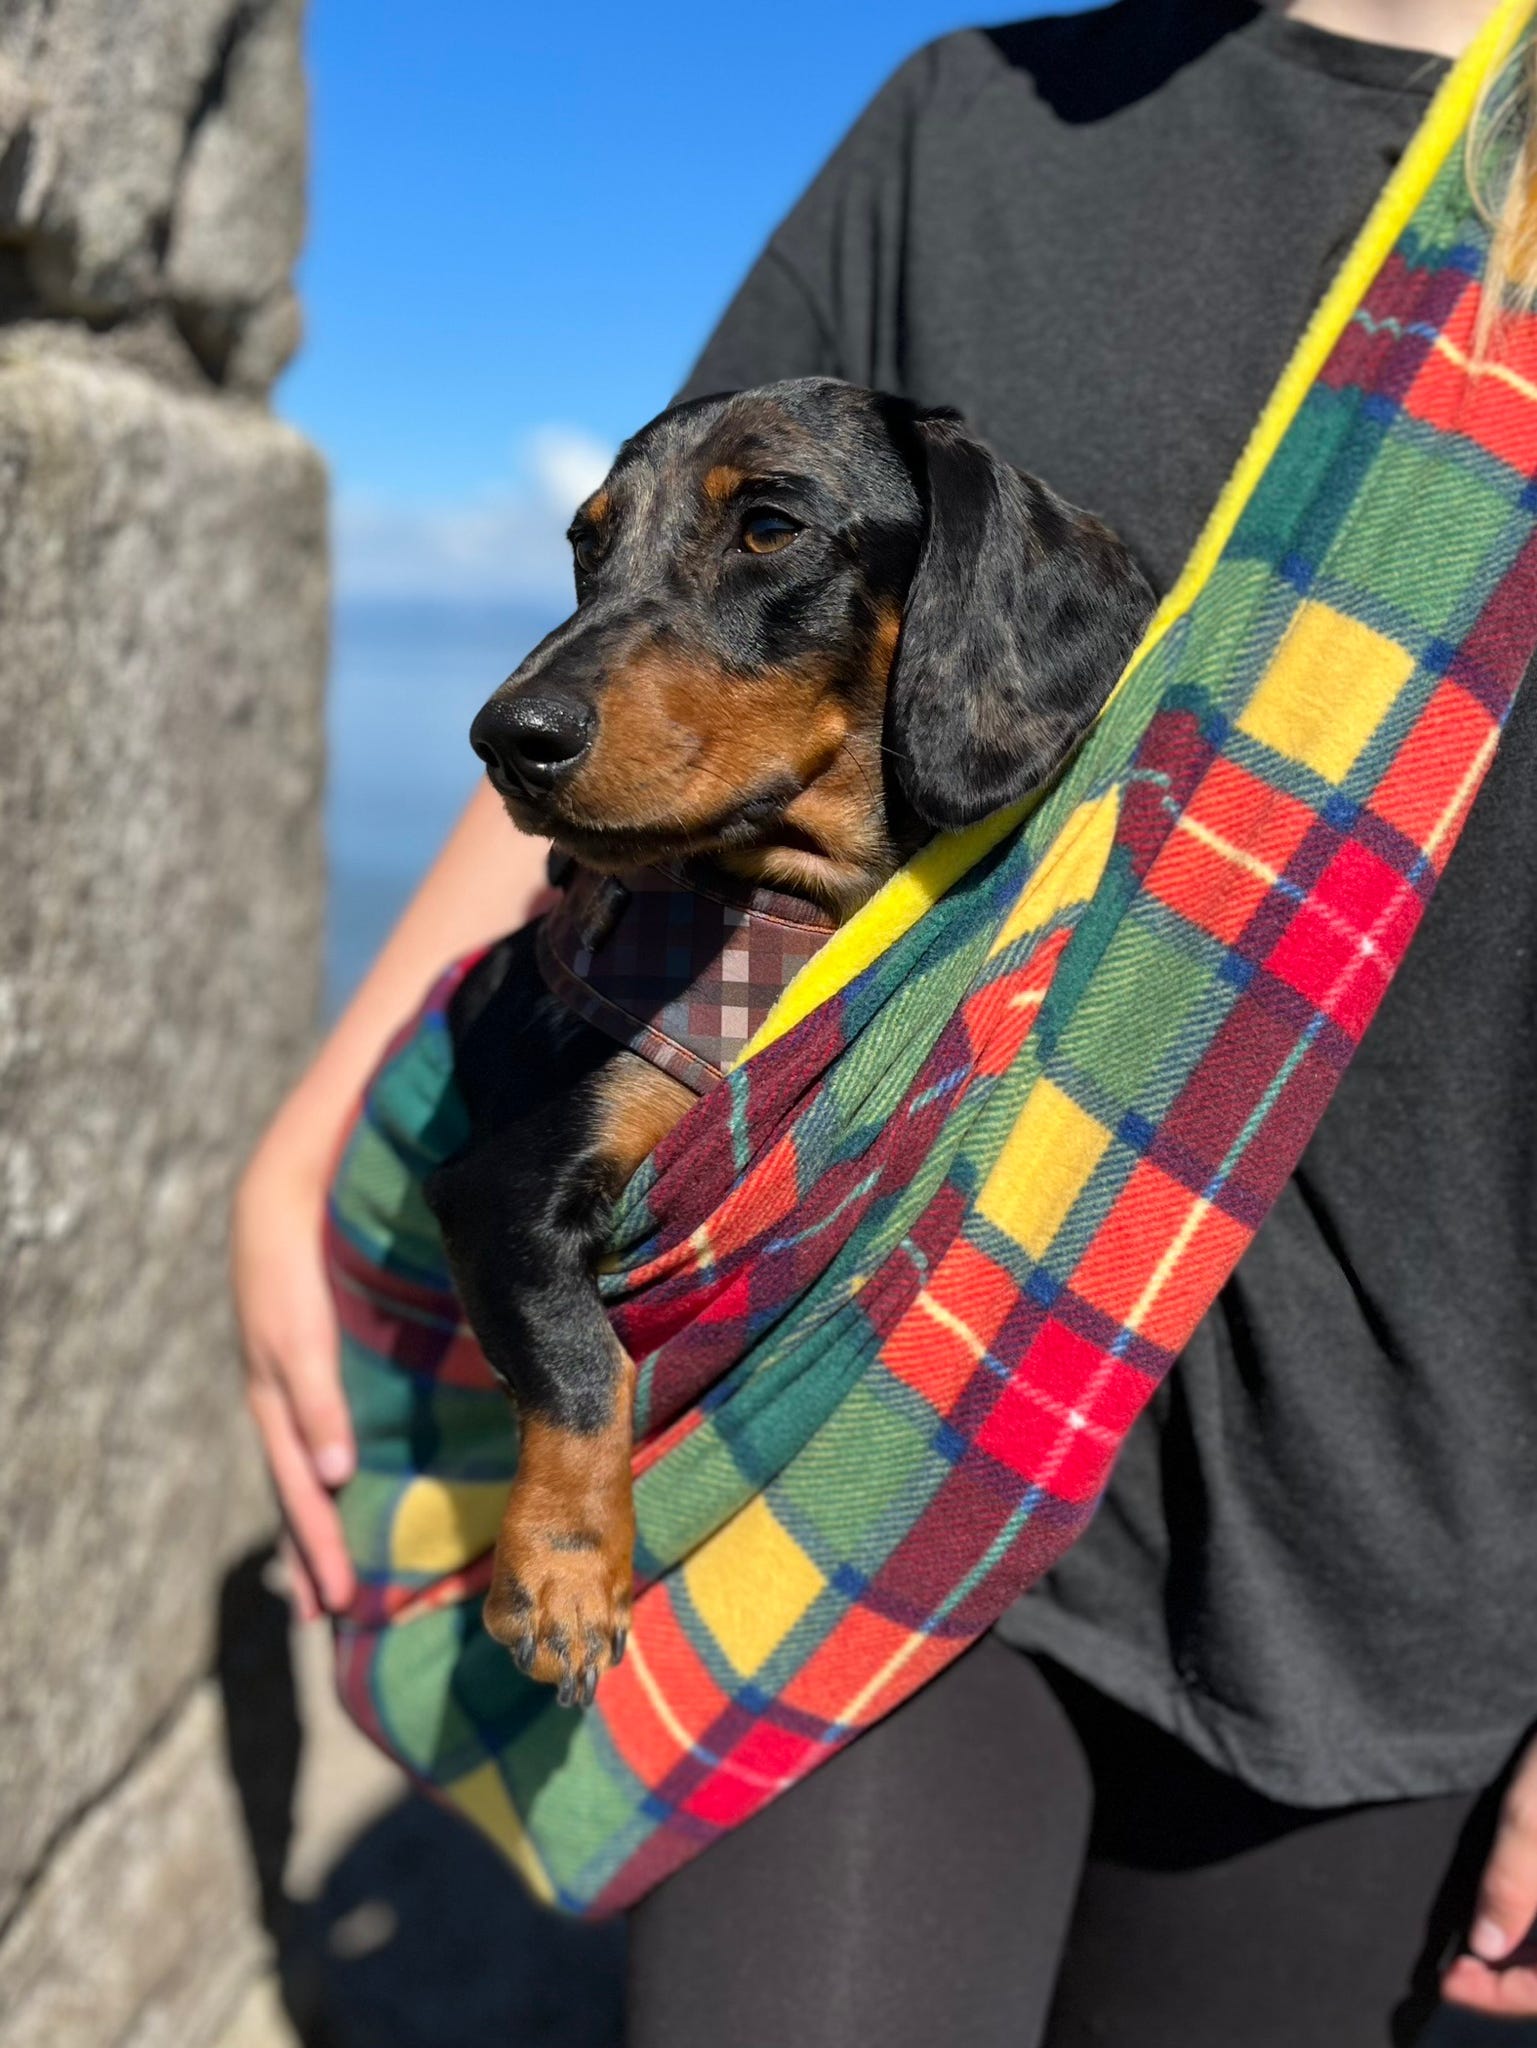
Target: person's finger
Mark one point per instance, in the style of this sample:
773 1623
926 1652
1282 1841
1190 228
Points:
311 1376
1506 1994
310 1512
1507 1893
302 1595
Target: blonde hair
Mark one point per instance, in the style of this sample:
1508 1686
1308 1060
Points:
1502 177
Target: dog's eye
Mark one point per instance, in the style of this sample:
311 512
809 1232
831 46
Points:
588 551
765 533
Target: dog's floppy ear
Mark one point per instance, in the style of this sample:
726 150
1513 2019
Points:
1021 613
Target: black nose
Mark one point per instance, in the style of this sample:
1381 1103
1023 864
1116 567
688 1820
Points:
532 740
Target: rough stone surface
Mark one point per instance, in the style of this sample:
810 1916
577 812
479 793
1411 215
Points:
163 592
227 262
162 580
152 156
143 1930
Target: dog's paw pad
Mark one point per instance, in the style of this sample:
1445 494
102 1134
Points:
562 1612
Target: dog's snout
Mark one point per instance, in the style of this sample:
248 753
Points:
533 741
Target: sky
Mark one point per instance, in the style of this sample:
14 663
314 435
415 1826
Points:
525 216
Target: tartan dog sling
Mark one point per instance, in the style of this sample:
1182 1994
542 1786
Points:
899 1286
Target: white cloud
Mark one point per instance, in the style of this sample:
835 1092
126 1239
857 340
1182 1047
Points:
507 542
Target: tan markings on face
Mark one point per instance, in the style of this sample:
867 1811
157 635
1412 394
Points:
883 644
560 1585
639 771
681 744
838 846
598 507
722 482
835 846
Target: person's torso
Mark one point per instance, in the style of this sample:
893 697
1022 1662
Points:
1100 237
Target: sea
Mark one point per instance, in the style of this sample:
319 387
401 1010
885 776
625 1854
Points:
406 679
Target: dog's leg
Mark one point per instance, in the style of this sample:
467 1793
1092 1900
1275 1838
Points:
560 1589
524 1237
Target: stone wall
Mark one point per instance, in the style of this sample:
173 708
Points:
162 647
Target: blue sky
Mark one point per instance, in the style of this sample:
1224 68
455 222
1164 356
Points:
524 219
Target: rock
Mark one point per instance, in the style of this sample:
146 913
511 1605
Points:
151 342
228 261
163 592
261 2020
243 347
152 154
163 586
143 1931
111 94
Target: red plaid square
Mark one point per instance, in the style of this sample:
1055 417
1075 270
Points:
1495 406
1412 794
1333 950
1226 850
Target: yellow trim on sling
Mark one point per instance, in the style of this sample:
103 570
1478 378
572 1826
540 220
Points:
897 907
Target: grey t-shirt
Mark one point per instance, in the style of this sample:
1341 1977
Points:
1099 236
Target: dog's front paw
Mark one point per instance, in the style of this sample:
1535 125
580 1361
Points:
560 1592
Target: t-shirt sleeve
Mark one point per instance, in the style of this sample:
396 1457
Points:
814 303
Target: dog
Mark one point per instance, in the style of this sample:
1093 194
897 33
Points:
814 624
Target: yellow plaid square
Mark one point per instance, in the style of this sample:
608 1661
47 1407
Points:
1071 872
750 1584
1326 691
441 1525
1044 1166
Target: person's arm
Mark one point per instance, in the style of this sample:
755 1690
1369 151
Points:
486 880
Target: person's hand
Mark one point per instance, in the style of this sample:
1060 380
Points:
293 1374
1500 1974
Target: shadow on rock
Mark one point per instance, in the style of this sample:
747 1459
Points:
263 1741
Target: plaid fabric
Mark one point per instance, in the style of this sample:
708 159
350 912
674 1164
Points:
898 1289
683 968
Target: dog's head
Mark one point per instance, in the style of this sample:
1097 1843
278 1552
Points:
813 624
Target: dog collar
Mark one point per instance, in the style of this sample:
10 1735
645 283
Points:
681 965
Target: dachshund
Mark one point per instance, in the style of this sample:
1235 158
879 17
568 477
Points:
814 624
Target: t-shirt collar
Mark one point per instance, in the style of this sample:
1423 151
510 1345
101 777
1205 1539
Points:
1377 65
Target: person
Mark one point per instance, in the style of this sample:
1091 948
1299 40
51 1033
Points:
1249 1765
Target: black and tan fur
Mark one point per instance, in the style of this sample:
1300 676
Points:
813 625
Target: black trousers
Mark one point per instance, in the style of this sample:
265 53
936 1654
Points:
1012 1860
